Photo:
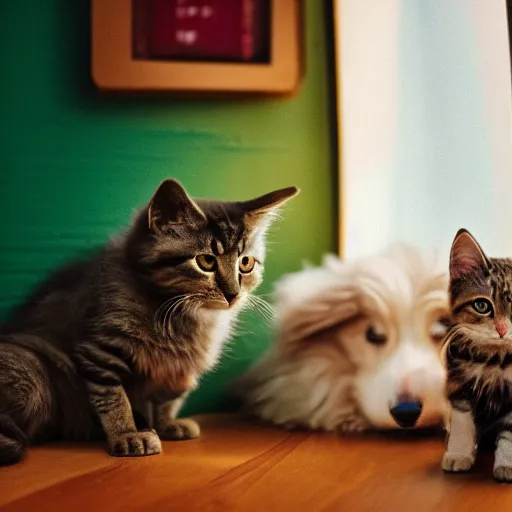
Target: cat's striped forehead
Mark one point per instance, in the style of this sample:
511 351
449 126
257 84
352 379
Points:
500 278
232 244
495 282
500 269
226 227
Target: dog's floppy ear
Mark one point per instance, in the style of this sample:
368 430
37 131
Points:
318 313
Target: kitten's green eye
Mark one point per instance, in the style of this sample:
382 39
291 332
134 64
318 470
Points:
246 264
482 306
206 262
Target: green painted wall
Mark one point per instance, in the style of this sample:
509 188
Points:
74 165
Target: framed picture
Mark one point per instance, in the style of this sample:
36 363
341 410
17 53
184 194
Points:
223 46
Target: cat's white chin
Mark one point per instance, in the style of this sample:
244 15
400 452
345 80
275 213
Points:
217 304
222 305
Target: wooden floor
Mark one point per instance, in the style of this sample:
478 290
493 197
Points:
237 465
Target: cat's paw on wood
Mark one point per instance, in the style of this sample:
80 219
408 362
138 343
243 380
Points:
503 473
136 444
179 430
455 463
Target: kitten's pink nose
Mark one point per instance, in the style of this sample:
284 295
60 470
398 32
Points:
501 327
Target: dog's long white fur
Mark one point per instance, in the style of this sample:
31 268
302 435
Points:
322 373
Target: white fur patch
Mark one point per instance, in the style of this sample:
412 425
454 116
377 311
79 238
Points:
324 373
219 335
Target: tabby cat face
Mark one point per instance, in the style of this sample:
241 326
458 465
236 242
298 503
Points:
210 251
480 288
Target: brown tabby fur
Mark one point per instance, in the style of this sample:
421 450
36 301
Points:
478 355
110 346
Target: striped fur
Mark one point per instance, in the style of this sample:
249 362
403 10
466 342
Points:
110 346
478 356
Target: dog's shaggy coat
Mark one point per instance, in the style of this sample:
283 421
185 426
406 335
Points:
352 340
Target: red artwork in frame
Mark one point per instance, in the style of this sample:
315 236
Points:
216 30
219 46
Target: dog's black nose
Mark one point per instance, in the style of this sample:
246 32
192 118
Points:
406 413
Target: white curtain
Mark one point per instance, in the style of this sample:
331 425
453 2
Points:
425 123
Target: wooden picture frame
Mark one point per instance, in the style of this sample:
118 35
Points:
114 67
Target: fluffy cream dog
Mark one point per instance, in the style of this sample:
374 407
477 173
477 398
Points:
357 347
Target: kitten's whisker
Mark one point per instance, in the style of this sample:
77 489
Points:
263 295
260 298
264 314
166 324
259 308
172 309
184 302
263 304
161 308
163 312
268 308
158 312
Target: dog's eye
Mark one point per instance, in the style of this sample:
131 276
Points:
440 328
374 337
482 306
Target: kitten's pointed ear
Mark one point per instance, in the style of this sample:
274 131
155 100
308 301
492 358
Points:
261 208
466 255
172 205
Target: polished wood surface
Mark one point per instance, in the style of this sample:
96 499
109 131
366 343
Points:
239 465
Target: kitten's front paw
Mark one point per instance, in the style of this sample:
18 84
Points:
135 444
179 430
453 463
503 473
352 423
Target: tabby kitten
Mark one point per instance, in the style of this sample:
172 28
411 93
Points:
478 355
111 346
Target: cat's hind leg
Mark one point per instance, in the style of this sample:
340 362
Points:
25 400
